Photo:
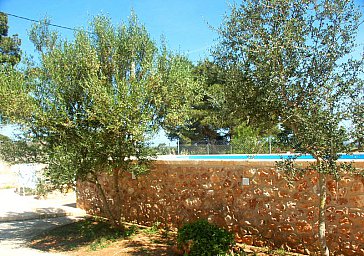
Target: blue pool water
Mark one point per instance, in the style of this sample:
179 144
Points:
357 156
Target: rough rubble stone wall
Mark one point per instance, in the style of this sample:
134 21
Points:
267 212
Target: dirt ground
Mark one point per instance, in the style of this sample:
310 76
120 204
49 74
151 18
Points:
138 245
141 243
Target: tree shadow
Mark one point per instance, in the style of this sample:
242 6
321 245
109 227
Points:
23 231
73 205
94 235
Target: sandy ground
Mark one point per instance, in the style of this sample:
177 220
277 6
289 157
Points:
8 178
15 235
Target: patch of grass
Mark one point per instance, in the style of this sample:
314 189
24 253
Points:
94 234
280 252
154 229
97 234
130 231
7 187
101 243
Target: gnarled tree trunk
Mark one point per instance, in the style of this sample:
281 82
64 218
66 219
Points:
115 220
322 217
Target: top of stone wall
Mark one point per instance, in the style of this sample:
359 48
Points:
256 163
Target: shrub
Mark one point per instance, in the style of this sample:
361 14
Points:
203 238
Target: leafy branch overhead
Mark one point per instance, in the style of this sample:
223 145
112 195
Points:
293 63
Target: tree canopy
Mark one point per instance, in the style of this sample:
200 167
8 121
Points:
205 119
10 79
93 103
9 45
290 63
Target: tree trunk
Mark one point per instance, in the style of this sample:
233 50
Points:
117 199
322 217
114 221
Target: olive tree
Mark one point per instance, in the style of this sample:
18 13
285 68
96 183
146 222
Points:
95 101
291 63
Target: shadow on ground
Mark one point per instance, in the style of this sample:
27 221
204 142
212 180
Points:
15 236
98 238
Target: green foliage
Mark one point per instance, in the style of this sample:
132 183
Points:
153 229
95 101
248 140
357 118
16 104
130 231
181 91
9 46
94 233
91 104
202 238
20 151
279 251
206 117
163 149
43 38
294 63
291 63
43 188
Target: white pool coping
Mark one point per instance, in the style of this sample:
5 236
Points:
251 158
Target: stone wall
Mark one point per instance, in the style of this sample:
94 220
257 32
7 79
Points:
250 198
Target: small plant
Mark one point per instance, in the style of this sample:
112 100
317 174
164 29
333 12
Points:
203 238
131 231
153 229
280 251
100 244
43 188
7 187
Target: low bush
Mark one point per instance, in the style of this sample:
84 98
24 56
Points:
202 238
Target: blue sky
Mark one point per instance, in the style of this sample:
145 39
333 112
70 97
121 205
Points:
186 24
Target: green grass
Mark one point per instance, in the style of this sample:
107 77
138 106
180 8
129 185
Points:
280 252
93 234
153 229
7 187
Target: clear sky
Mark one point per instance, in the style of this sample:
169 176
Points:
184 23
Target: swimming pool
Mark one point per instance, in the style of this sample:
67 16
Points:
356 156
